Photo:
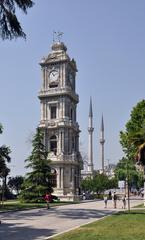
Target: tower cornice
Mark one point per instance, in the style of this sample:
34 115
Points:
59 92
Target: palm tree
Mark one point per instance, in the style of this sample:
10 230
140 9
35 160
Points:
4 159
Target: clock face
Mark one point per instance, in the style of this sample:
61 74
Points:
53 76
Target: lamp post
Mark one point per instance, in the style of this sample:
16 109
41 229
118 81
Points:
127 181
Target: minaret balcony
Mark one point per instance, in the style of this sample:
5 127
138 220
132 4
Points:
90 129
102 141
59 92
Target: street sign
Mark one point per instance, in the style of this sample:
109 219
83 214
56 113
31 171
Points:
121 184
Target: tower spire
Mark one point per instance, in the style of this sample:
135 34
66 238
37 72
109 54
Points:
90 144
102 141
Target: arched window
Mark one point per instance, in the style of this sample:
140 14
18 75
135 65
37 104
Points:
53 112
53 144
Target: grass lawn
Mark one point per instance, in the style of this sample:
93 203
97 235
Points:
121 226
16 205
139 206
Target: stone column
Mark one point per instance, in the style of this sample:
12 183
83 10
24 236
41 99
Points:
44 78
58 177
41 110
62 178
73 176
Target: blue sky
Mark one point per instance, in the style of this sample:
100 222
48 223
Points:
107 40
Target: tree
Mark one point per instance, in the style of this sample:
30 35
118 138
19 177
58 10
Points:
126 170
98 184
134 135
15 183
4 159
4 156
10 27
38 181
87 184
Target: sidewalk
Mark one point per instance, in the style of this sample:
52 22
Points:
40 224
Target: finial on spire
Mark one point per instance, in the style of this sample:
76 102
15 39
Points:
57 36
90 111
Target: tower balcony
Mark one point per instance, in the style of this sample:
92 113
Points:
62 122
64 158
59 92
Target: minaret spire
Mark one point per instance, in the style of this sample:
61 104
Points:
102 141
102 124
90 111
90 145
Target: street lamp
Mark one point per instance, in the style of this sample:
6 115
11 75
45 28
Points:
127 181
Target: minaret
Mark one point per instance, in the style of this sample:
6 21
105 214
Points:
102 141
90 149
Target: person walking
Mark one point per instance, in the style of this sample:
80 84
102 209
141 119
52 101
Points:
110 195
48 199
105 200
124 201
114 198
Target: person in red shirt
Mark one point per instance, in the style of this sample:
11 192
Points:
48 199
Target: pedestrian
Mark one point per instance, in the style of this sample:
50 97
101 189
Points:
48 199
114 198
84 196
110 195
105 200
124 201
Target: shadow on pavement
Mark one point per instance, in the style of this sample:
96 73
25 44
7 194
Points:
60 213
82 213
20 226
11 231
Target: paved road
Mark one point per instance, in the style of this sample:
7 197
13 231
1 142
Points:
40 224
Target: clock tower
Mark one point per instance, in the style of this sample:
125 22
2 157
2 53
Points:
58 100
